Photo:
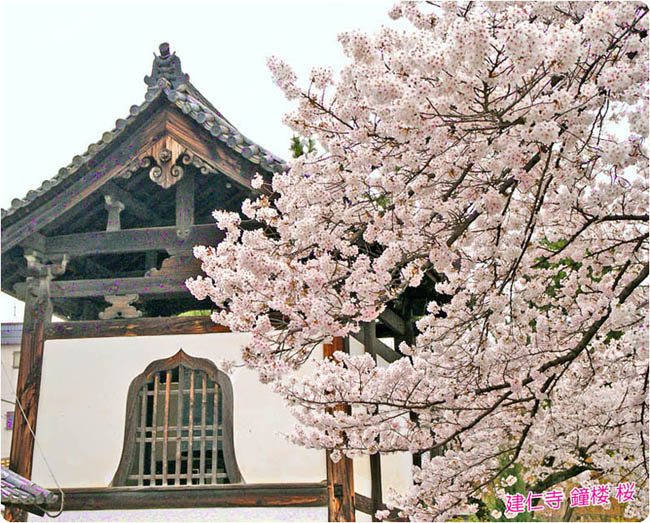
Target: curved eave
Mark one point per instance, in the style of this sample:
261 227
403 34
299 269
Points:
20 207
185 97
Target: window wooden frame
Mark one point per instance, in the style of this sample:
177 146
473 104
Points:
133 420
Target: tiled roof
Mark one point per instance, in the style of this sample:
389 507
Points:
167 80
16 489
186 100
79 160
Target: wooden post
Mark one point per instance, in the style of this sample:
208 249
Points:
376 495
340 475
38 313
185 205
409 337
114 208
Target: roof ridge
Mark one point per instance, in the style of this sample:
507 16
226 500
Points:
167 66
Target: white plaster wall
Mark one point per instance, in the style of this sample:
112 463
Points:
9 380
82 417
83 402
362 482
396 472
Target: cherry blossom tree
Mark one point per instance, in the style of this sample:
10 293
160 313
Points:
495 152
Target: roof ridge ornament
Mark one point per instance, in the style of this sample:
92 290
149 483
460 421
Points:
167 66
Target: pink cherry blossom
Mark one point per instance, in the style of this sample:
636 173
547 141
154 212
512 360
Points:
495 151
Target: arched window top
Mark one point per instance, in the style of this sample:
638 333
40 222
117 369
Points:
178 426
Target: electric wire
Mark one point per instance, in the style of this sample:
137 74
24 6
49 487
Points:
47 464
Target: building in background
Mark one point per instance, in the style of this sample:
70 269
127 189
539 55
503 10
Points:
11 334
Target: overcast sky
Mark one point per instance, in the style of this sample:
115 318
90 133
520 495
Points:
70 69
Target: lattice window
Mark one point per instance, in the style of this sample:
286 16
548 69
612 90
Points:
179 426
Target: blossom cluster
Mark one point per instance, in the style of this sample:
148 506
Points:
497 153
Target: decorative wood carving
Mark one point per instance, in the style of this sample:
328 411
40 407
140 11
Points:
188 158
135 165
166 172
41 274
166 160
120 307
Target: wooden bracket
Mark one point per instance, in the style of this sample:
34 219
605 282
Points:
120 307
41 273
114 208
37 266
180 266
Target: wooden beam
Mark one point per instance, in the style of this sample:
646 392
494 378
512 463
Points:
340 475
381 348
35 242
131 204
65 330
38 313
11 508
364 504
93 175
393 321
131 240
115 286
236 495
90 266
